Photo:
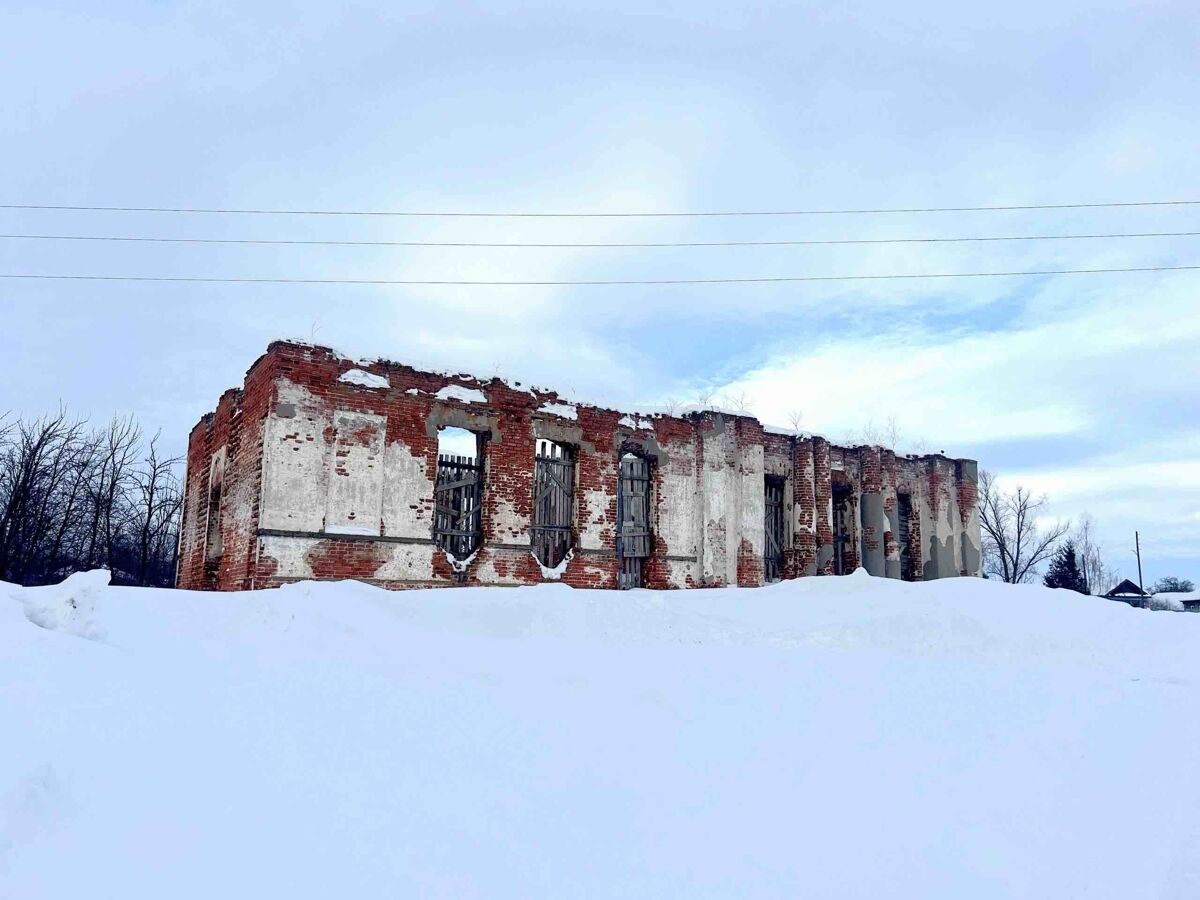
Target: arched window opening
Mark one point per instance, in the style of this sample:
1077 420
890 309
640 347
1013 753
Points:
553 502
214 547
458 492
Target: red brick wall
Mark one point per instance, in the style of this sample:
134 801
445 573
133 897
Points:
512 416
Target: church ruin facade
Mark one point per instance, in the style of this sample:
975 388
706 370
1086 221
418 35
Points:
323 467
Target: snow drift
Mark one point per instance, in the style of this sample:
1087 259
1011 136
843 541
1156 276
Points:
826 737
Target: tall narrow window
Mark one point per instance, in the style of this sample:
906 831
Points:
213 547
553 502
841 531
773 529
458 492
633 517
904 533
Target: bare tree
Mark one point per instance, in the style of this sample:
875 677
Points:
1014 544
1097 576
35 468
159 498
795 417
889 435
72 498
117 449
740 403
704 399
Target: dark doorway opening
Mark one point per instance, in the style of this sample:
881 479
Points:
842 547
773 529
904 534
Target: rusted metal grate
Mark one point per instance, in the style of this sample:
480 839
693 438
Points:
457 505
633 516
553 502
773 529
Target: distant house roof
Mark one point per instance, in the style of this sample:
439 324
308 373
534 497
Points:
1126 589
1190 600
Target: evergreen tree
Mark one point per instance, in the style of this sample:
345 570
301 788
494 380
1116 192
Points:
1064 570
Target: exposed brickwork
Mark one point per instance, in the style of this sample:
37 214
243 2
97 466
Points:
823 490
322 477
804 512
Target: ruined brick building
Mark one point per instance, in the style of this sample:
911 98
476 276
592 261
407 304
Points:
321 467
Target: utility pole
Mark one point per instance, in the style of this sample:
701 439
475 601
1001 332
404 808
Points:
1137 543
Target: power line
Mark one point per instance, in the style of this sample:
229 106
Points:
619 244
591 215
615 281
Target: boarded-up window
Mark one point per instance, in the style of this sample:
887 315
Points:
633 516
354 504
553 502
458 495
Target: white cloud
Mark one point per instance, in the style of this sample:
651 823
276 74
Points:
1057 374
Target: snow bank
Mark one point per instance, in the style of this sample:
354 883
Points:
821 738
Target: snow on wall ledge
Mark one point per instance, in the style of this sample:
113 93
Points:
329 468
852 738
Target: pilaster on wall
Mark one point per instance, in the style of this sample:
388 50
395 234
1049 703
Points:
823 491
751 498
804 510
891 537
966 477
942 548
718 445
674 562
874 522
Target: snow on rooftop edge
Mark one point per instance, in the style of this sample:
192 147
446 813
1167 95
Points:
458 392
563 410
364 379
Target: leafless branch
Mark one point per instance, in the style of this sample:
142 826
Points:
1014 544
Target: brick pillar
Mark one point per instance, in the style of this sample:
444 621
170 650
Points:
891 537
804 510
823 497
751 501
966 476
871 506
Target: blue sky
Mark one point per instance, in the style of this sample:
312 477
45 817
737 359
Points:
1085 387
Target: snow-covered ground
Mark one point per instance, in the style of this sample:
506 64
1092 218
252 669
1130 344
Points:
820 738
